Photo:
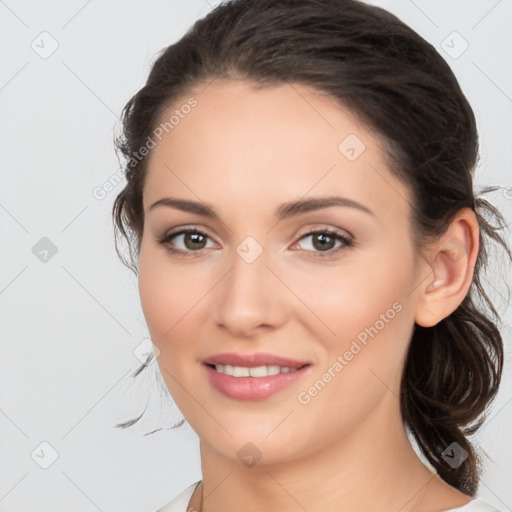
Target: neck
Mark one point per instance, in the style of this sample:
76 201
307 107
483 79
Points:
373 468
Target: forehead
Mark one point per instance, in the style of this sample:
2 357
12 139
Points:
268 144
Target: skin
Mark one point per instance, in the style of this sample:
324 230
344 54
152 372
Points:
244 152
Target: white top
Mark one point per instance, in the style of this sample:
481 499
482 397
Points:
180 503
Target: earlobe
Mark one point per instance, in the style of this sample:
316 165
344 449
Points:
451 270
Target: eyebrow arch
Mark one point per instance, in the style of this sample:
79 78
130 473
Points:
284 211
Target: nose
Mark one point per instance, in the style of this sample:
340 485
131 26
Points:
250 298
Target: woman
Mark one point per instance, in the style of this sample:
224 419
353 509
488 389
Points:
309 249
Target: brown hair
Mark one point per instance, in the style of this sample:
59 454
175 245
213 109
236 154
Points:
401 88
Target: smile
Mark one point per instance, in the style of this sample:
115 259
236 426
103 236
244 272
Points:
255 371
253 383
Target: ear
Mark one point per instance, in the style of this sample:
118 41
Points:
452 261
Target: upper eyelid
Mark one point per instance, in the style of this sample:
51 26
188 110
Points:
308 232
186 229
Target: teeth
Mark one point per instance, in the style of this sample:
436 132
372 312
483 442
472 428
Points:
256 371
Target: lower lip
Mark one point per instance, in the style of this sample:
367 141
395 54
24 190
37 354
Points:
253 388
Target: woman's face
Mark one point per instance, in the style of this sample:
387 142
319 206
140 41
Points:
255 280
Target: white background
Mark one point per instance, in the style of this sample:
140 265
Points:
69 326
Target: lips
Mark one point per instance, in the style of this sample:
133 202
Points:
254 388
251 360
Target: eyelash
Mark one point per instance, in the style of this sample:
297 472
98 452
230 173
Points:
347 242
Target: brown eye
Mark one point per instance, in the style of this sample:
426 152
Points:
194 241
323 243
184 242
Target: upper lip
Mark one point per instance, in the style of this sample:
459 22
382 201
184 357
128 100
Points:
250 360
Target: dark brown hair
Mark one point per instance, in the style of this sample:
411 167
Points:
398 85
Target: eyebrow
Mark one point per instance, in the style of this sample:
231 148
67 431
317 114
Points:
284 211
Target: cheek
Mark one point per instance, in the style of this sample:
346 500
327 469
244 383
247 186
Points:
351 297
362 362
368 309
171 298
164 295
167 304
